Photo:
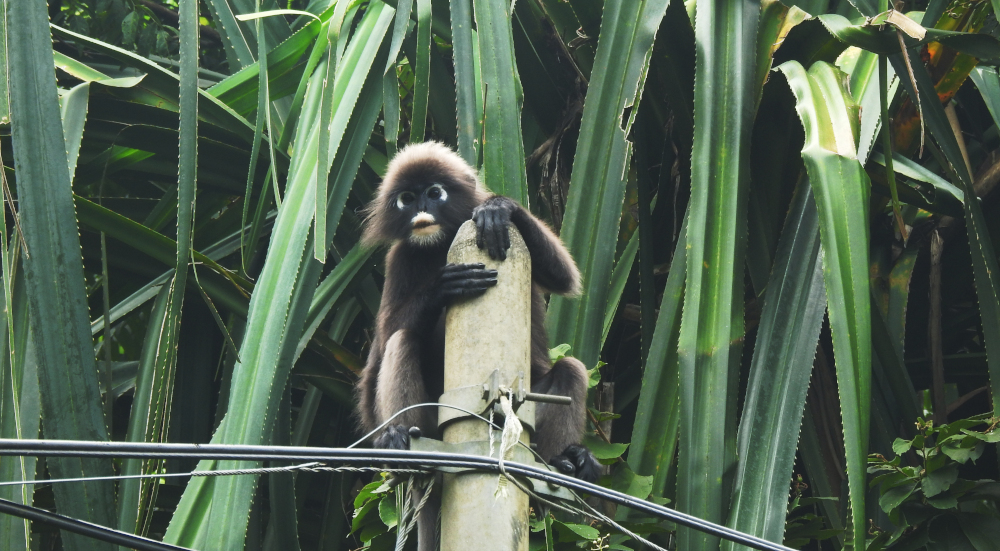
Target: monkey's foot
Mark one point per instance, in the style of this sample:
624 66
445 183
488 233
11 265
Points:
578 462
394 437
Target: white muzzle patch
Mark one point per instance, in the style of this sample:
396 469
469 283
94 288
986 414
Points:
425 229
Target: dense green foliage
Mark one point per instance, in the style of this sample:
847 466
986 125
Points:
769 203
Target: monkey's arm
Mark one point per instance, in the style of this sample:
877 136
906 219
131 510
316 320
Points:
419 284
552 267
412 305
393 378
454 282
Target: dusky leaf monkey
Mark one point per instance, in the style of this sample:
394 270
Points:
428 192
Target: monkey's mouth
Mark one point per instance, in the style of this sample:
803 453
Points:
426 229
425 224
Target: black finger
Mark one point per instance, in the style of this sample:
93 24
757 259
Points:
502 234
487 229
488 232
452 274
475 290
481 280
495 252
460 267
491 240
473 284
483 284
467 292
456 276
477 219
467 280
506 236
480 231
452 271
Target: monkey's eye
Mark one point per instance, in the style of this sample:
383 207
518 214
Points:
404 199
437 192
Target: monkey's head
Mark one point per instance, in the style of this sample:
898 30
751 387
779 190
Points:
427 193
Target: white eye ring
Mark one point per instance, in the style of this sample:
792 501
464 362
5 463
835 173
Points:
443 194
404 199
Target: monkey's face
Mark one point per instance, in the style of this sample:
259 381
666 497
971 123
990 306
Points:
427 193
423 206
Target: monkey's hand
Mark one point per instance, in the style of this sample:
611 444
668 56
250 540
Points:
578 462
458 281
492 220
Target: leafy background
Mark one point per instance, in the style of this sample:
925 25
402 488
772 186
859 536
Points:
783 271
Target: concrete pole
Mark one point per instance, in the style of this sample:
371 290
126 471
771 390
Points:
489 332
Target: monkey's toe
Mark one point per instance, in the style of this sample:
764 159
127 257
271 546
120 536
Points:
578 462
394 437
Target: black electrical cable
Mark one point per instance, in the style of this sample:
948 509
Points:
84 528
397 458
